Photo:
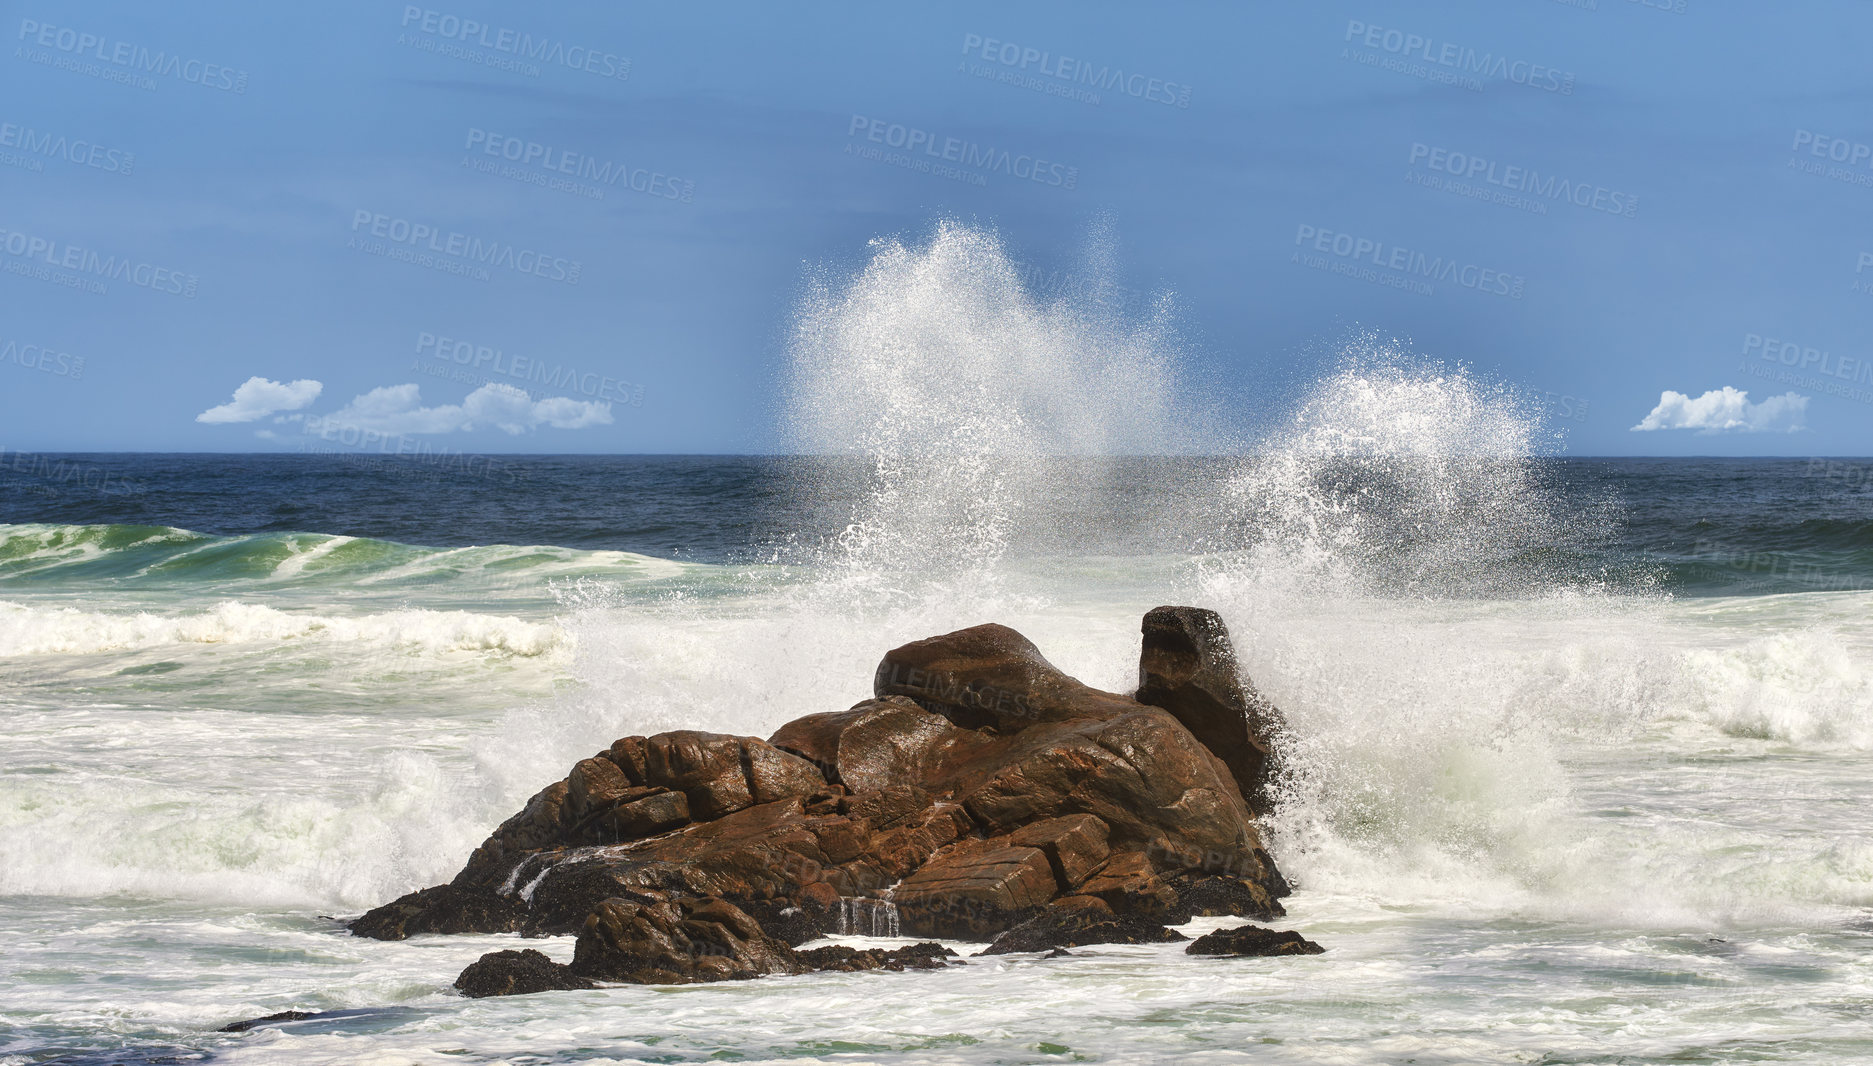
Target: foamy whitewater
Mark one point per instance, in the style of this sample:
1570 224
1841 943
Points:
1549 792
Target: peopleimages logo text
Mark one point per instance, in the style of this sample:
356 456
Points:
1383 256
1459 57
463 31
530 369
422 237
1076 71
1835 149
1815 360
85 264
132 57
1523 180
44 359
1835 158
578 165
35 143
963 153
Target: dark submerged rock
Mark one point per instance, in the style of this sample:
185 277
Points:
442 909
1078 921
255 1023
676 942
845 958
1253 940
1213 895
517 973
787 922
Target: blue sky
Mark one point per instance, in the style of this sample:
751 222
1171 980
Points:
1599 202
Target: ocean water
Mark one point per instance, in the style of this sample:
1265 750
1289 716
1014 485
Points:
1576 769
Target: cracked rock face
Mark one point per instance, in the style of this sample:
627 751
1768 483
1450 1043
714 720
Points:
978 787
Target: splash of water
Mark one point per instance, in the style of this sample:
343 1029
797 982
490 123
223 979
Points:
954 383
1400 476
1406 581
860 916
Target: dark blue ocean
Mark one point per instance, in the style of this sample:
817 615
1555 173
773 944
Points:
1686 526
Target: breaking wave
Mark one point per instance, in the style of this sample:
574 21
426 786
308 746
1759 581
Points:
41 630
132 557
954 384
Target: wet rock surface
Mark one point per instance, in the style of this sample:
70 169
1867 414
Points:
979 792
1188 667
845 958
1078 921
680 941
1253 940
516 973
443 909
653 941
255 1023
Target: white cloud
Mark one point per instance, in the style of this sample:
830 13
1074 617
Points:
1726 409
257 398
396 409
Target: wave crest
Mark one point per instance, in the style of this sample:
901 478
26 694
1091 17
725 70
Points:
39 630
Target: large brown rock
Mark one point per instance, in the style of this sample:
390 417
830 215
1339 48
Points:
1188 667
516 973
989 676
675 942
444 909
1078 921
1075 845
974 889
979 785
1253 940
656 940
774 774
844 958
878 744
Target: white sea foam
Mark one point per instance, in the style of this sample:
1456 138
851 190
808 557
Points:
1808 685
1445 681
207 828
32 629
295 564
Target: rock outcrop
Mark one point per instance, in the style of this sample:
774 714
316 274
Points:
845 958
676 942
1189 668
652 941
1253 940
443 909
978 787
517 973
1077 921
271 1019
